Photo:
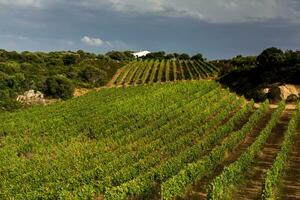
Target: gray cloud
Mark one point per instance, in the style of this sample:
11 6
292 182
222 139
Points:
23 3
213 11
217 28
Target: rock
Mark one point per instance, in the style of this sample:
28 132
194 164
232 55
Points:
282 92
31 97
292 98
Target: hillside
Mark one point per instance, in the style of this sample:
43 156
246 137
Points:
157 71
147 142
55 74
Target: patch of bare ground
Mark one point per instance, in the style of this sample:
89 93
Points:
81 91
288 107
199 189
290 183
251 188
115 77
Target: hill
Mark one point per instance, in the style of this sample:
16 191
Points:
157 71
55 74
144 142
249 76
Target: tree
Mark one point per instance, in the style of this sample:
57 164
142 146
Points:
184 56
292 57
93 75
271 58
118 55
71 58
169 56
198 56
59 87
160 55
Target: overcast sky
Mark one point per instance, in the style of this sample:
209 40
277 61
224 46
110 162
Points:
216 28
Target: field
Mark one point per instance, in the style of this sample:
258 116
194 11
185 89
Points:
156 71
179 140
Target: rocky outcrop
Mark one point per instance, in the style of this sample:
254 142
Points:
282 92
31 97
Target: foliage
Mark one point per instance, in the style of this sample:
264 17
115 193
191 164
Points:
118 55
232 174
176 185
20 72
59 87
160 55
198 56
152 71
271 58
93 75
67 150
271 183
184 56
272 66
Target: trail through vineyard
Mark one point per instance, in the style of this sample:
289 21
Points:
114 78
254 179
290 181
199 190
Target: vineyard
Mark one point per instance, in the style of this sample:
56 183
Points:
156 71
179 140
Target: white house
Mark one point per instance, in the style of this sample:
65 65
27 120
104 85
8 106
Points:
141 54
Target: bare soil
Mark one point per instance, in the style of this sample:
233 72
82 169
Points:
290 183
115 77
199 189
251 188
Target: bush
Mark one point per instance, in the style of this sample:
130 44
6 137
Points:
93 75
184 56
118 55
70 59
198 56
59 87
160 55
271 58
8 101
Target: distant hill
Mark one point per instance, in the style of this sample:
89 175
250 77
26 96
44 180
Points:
157 71
248 77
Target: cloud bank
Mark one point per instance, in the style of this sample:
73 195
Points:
212 11
23 3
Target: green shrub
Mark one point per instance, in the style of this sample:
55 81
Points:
59 87
93 75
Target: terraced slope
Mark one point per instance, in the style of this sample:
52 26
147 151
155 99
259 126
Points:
198 190
290 184
290 181
155 71
159 141
252 187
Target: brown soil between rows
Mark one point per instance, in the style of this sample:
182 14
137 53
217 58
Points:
290 183
115 77
199 189
155 192
251 188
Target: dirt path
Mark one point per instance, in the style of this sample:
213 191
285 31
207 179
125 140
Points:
115 77
252 187
291 178
199 190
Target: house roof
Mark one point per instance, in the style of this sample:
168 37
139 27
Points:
141 53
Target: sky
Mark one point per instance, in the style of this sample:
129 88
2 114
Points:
215 28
